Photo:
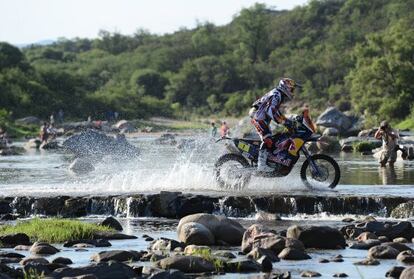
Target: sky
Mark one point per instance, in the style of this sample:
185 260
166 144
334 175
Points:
30 21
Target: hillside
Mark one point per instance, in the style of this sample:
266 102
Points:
355 54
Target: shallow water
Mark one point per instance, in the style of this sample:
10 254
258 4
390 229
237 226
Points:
164 167
166 228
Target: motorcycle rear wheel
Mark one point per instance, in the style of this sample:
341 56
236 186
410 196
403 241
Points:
328 175
229 172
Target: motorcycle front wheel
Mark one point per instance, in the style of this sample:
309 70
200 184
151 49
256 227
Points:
231 172
320 170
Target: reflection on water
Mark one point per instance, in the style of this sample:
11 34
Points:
164 167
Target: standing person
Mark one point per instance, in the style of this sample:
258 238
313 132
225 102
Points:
224 129
213 130
44 132
4 138
389 138
267 109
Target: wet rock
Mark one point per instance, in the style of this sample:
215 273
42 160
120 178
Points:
194 249
368 261
112 223
257 253
293 254
284 275
186 264
224 230
383 238
93 242
348 220
399 246
192 204
42 248
365 245
156 257
238 265
328 144
366 235
394 272
318 237
12 240
5 254
37 260
165 204
404 210
332 132
113 236
334 118
81 166
340 275
265 263
322 260
37 268
271 242
237 206
62 260
337 259
50 145
149 239
22 247
389 229
406 257
75 207
165 244
294 243
195 233
310 274
400 240
83 245
5 207
168 274
250 234
10 272
101 270
4 260
383 252
224 254
50 206
407 273
116 255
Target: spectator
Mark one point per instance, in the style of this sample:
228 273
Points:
213 129
61 115
4 139
224 129
389 138
52 119
44 132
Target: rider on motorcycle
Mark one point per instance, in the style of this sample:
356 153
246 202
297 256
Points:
265 110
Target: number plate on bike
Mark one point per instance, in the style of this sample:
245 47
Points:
243 146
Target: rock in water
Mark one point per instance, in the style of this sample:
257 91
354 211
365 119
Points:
112 223
81 166
93 143
332 117
321 237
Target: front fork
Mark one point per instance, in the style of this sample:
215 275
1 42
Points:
314 167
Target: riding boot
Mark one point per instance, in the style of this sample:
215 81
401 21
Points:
261 162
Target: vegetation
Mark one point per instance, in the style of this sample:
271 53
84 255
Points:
54 230
15 130
364 146
355 54
205 253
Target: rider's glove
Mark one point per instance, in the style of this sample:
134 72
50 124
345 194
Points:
268 142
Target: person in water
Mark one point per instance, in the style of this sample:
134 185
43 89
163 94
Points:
390 146
266 109
224 129
213 129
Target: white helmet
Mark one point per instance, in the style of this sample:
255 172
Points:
287 86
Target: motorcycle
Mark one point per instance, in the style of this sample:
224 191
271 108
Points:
234 169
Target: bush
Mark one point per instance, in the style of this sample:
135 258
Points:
364 146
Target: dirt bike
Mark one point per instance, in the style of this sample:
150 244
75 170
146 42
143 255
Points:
234 170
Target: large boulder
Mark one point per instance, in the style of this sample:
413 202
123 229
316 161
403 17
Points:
165 244
196 233
321 237
117 256
101 270
293 254
383 252
224 230
407 273
112 223
93 143
389 229
250 234
403 210
332 117
13 240
186 264
42 248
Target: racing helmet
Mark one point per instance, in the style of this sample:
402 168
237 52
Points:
287 87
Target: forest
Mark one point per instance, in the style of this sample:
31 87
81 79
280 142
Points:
357 55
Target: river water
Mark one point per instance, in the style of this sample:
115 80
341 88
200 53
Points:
164 167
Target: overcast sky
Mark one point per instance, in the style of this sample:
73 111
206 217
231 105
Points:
29 21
